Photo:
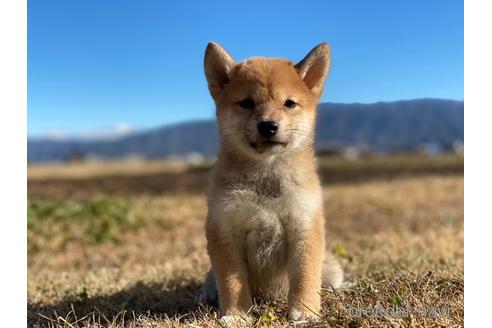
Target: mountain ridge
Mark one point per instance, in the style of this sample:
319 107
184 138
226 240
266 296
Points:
403 125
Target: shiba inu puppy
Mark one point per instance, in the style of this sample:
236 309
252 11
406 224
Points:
265 224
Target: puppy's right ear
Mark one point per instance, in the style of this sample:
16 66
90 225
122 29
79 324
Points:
218 66
313 69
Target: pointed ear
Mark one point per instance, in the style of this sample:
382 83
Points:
218 66
313 69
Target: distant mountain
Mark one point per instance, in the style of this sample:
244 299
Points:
391 126
383 127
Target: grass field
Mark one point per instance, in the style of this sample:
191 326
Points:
117 245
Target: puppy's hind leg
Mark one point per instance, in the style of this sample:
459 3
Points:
332 272
208 293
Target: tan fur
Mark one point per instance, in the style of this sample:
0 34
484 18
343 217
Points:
265 223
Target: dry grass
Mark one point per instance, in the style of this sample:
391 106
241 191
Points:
81 181
91 169
400 242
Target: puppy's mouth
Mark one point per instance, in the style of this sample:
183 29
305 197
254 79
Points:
265 144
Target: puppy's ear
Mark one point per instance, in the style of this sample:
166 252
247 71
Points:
313 69
218 66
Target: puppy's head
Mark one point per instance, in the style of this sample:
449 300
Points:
266 106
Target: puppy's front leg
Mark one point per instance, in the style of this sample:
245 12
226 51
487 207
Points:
231 276
304 269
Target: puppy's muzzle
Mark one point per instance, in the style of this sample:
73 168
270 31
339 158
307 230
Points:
267 129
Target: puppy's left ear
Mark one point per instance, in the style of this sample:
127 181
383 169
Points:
218 66
313 69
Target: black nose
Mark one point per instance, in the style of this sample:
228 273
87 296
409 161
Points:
267 128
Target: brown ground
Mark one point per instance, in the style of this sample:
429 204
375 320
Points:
400 241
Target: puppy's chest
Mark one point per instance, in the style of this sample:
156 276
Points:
262 221
268 207
266 203
262 215
260 204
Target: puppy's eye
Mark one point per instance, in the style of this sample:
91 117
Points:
290 104
247 103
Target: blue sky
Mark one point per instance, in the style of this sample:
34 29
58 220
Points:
104 65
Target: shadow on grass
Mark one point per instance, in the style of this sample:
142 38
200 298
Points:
155 300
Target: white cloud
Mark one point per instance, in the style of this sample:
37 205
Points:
101 133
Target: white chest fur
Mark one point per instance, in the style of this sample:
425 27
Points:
262 217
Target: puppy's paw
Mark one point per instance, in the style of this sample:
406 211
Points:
347 285
297 315
234 321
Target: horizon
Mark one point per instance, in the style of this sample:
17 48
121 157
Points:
121 130
138 67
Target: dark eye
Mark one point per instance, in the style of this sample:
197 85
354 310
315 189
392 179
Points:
290 104
247 103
